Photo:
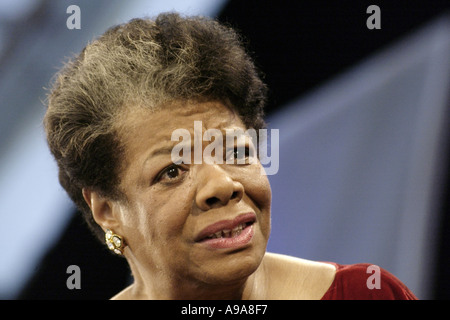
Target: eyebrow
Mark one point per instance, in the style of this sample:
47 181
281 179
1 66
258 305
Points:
158 152
161 151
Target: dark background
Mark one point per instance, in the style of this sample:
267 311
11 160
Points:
294 60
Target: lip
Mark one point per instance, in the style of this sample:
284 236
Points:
243 238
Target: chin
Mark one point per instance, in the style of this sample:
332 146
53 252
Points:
231 266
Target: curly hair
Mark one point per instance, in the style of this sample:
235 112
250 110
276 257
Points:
141 63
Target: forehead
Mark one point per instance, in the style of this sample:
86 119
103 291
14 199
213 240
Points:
140 127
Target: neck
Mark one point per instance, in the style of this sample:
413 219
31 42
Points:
161 286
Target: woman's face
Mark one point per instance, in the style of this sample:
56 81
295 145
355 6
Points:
206 222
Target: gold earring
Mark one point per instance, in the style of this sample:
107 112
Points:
114 242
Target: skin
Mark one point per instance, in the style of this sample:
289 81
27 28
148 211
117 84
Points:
165 210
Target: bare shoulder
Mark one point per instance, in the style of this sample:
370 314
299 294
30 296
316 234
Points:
125 294
296 278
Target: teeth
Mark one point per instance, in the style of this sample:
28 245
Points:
227 233
237 231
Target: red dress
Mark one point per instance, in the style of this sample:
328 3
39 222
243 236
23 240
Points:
360 282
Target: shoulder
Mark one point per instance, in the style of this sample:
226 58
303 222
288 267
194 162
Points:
293 278
364 281
125 294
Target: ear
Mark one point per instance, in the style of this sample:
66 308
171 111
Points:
102 209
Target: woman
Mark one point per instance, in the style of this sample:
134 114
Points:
189 229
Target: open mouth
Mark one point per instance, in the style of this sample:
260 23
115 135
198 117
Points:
229 233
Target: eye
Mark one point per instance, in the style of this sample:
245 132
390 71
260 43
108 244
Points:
170 174
241 153
238 155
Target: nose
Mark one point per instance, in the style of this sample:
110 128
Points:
216 188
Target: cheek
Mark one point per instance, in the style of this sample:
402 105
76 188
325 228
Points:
257 187
264 195
155 221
